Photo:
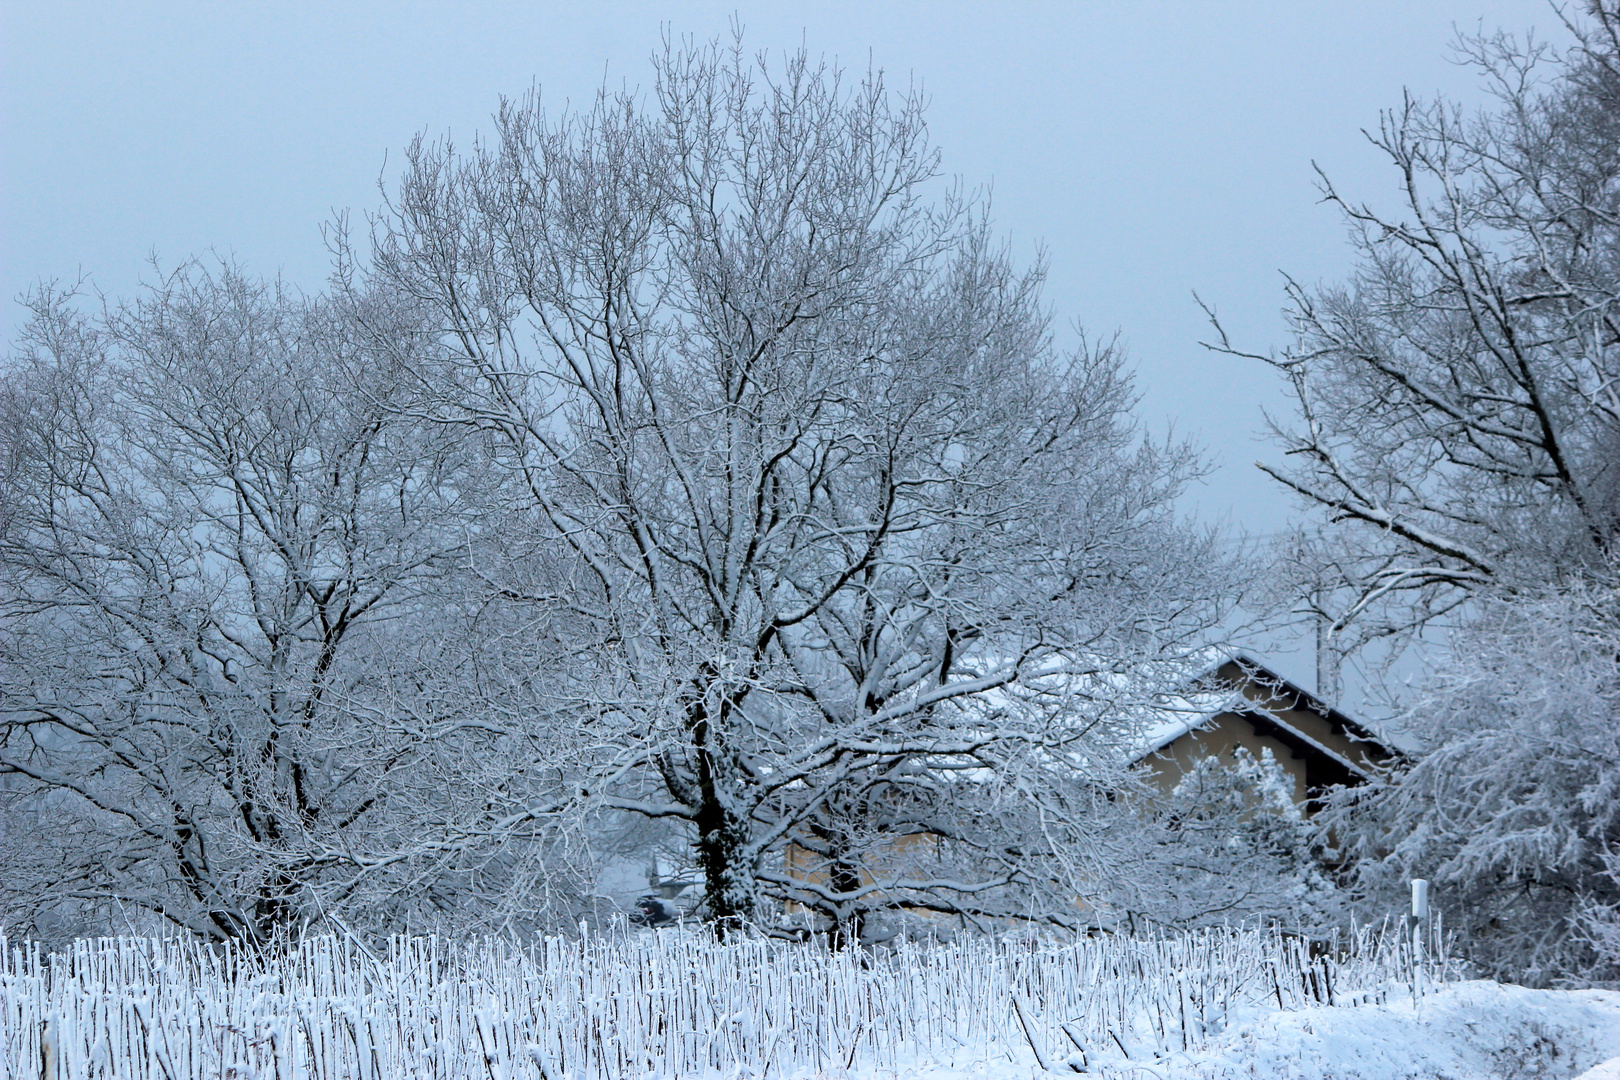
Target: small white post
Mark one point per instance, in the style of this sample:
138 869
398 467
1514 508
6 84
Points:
1420 905
1420 920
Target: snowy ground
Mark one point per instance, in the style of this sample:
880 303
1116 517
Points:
1466 1031
1473 1029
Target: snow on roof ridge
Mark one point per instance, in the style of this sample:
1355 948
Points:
1186 713
1160 718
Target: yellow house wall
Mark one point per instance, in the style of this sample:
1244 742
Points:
810 867
1221 738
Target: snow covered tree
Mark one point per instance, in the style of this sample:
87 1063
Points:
228 668
1514 810
835 524
1458 426
1457 416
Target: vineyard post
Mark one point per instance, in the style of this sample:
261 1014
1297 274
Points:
1418 921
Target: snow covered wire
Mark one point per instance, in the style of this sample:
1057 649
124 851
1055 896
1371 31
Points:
665 1004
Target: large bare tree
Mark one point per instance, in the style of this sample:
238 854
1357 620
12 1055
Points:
865 575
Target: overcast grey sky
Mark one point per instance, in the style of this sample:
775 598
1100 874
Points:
1152 148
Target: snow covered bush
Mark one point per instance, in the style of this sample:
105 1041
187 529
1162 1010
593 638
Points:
1514 808
1228 844
1599 917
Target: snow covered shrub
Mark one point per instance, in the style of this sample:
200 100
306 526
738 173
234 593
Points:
1229 843
1513 810
1599 918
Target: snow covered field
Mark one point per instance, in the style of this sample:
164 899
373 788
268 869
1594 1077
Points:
1226 1004
1465 1031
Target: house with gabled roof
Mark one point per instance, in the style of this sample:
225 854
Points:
1239 702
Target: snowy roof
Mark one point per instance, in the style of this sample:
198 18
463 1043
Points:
1209 695
1149 707
1184 714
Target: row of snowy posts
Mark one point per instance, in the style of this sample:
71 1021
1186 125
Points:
90 1048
